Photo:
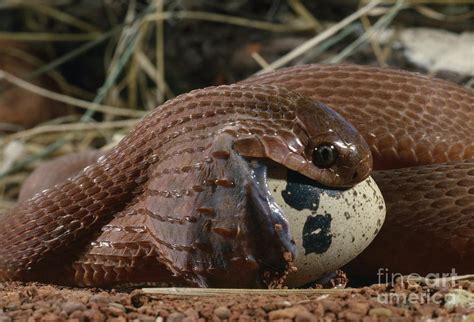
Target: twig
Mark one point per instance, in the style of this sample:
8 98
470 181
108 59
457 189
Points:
160 53
27 57
380 24
222 291
259 59
74 53
131 76
433 14
151 71
81 126
415 2
62 16
128 45
324 46
7 127
45 36
376 46
301 10
227 19
46 151
7 4
132 90
68 99
300 50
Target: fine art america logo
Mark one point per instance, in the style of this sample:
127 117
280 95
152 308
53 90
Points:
412 292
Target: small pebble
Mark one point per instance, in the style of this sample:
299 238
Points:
191 313
147 318
358 307
51 317
380 311
175 317
94 315
117 306
289 313
276 305
332 306
118 319
189 319
114 311
305 316
222 312
100 298
349 316
71 306
76 315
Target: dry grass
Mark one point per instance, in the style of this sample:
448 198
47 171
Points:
137 78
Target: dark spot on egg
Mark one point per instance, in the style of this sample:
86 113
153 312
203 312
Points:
317 237
379 222
303 193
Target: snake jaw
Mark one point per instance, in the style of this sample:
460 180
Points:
269 214
269 247
247 237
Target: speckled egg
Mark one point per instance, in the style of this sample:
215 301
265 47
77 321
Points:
330 226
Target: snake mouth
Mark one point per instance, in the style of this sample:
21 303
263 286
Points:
276 249
248 237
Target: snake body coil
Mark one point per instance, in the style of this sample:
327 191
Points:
178 200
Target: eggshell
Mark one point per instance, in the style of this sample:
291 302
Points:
330 226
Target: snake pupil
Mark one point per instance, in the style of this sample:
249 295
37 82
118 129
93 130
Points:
324 155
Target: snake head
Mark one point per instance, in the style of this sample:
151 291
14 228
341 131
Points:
334 154
306 136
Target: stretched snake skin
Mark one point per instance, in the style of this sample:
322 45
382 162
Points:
176 201
113 223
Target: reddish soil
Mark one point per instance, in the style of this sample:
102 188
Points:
35 302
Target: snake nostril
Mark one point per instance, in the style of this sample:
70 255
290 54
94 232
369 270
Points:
354 175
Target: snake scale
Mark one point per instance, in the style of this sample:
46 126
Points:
178 200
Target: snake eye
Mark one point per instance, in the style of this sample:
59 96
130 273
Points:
324 155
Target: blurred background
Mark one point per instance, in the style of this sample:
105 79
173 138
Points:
78 74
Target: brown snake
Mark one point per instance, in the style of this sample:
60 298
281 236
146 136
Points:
178 200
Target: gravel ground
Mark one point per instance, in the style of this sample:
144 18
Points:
36 302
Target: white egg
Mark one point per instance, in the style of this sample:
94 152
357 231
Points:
330 227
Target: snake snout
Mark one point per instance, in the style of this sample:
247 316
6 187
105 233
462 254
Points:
358 172
363 170
359 175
